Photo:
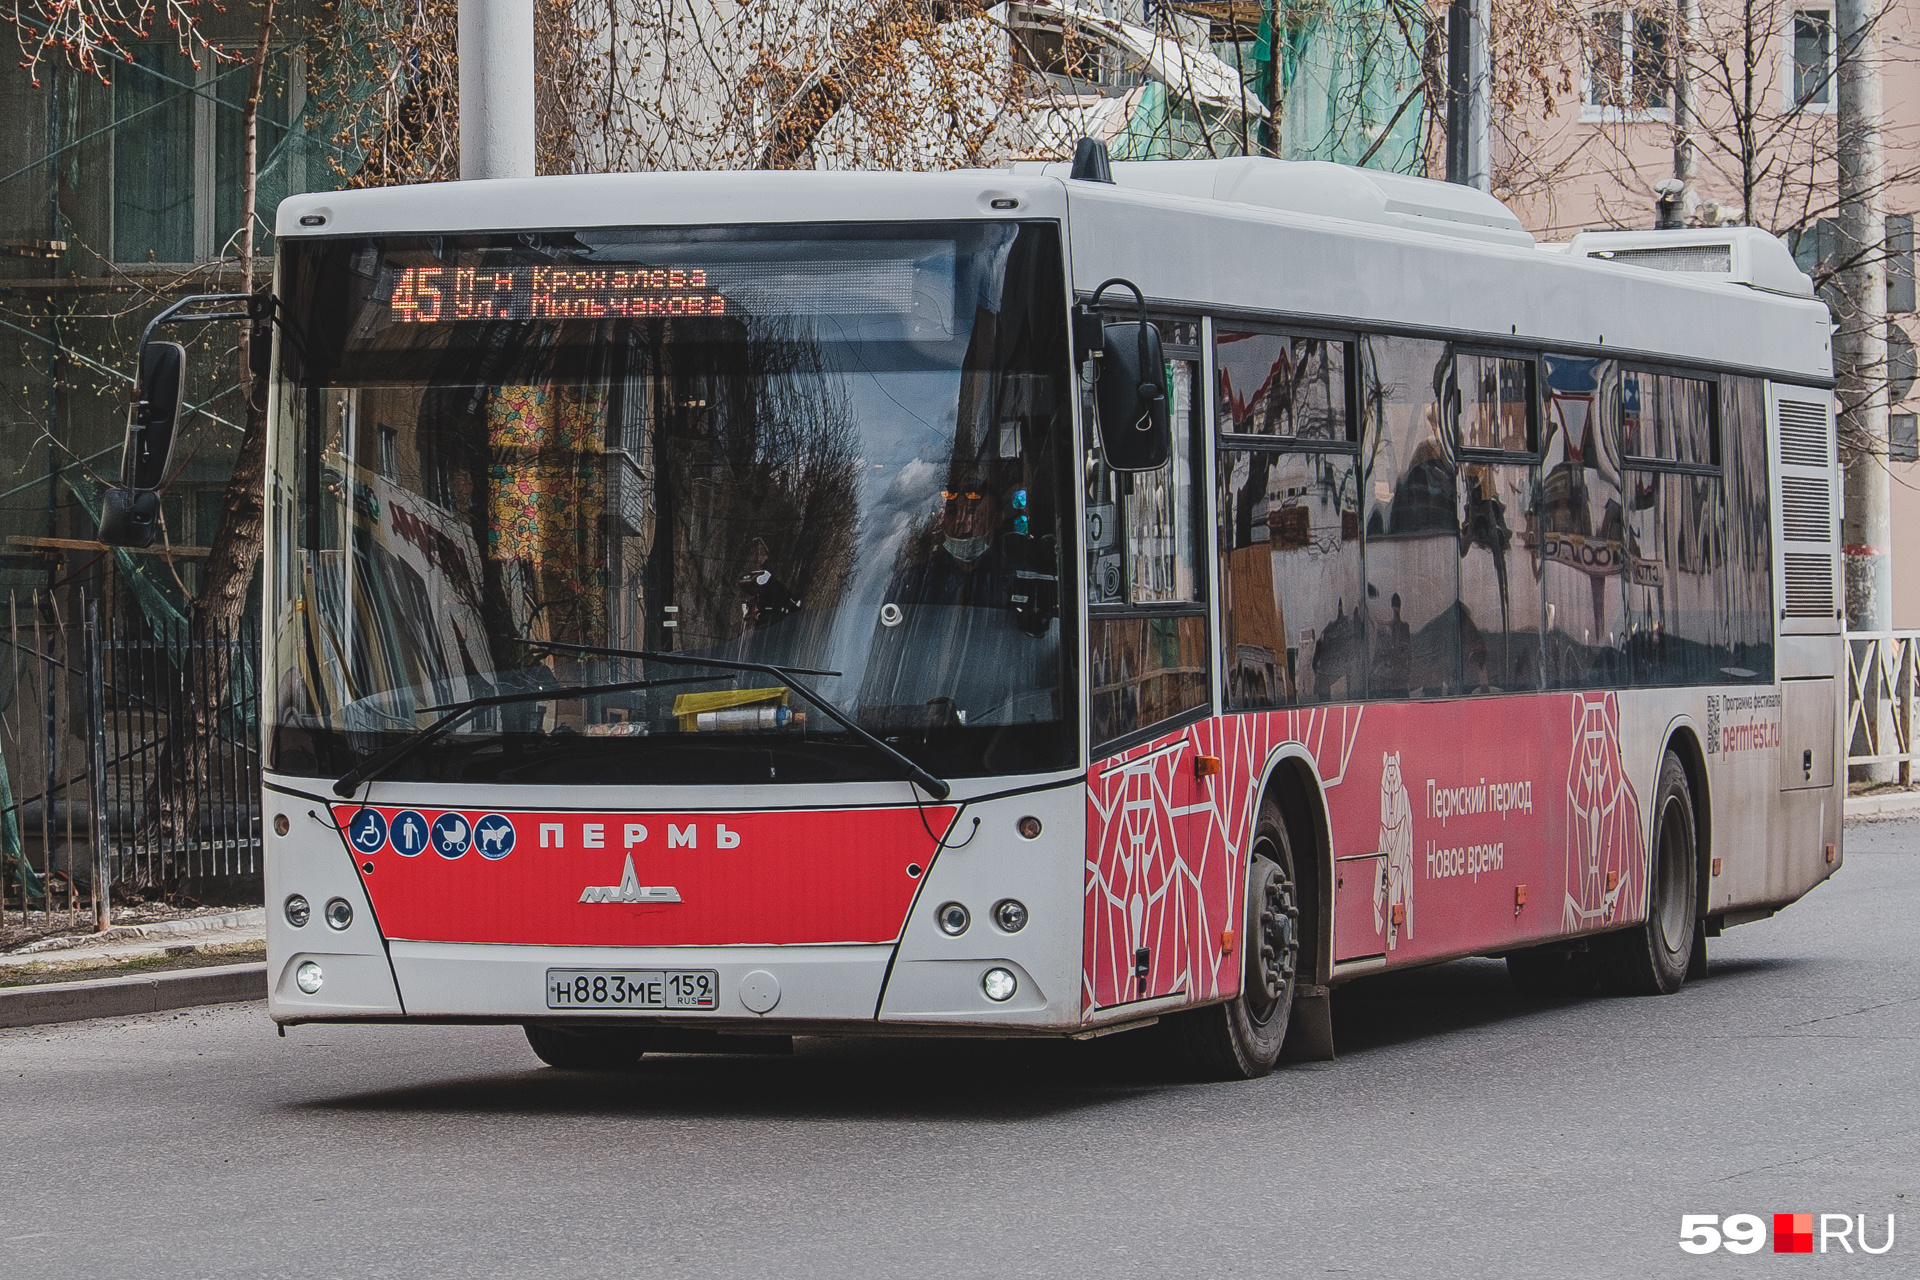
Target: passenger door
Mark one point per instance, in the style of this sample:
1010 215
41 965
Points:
1151 912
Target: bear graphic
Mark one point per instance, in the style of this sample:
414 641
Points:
1394 888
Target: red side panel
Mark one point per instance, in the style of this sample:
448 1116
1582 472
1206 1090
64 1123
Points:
1472 825
809 876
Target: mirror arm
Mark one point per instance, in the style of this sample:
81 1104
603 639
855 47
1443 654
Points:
1151 390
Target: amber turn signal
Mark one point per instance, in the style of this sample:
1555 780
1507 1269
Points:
1206 766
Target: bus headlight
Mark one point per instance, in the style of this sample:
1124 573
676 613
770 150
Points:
298 912
1010 914
999 984
339 913
308 977
953 919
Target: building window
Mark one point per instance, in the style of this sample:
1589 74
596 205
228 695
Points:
179 152
1813 59
1900 290
1904 438
1628 76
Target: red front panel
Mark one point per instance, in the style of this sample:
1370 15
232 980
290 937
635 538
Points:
612 879
1475 825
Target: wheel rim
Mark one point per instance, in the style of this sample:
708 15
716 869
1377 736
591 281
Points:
1274 958
1676 844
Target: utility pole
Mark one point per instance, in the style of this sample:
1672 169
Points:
496 89
1469 94
1683 17
1860 339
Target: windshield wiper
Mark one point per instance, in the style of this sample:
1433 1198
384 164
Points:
938 788
372 767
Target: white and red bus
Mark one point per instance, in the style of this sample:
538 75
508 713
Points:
748 604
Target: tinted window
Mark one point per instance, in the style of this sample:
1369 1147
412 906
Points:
1275 385
1412 519
1290 577
1496 402
1668 418
1582 526
1143 670
1749 543
1499 577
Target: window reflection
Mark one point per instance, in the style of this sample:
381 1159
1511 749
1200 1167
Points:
1412 519
1582 524
1499 577
1290 577
1275 385
1749 543
1496 403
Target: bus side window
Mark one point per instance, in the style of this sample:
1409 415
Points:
1290 577
1743 436
1582 546
1499 523
1412 520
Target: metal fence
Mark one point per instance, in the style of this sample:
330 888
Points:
1880 698
129 758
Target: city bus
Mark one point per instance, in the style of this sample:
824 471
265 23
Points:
1032 602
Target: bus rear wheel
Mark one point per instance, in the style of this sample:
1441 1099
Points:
1651 958
1241 1038
587 1048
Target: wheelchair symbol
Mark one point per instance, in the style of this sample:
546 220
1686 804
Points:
368 831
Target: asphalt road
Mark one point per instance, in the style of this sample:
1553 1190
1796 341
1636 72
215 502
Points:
1463 1132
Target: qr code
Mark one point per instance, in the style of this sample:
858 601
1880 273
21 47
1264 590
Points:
1713 724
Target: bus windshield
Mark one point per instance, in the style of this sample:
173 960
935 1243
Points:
838 449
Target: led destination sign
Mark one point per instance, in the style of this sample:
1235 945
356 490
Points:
866 286
439 295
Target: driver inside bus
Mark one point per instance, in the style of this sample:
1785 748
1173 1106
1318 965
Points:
948 645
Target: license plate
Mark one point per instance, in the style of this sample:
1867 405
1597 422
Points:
632 989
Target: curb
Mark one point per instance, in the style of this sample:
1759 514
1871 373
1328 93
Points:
123 997
1896 804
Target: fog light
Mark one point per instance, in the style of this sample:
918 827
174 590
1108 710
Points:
279 824
307 977
339 913
999 984
298 912
953 919
1011 915
1029 827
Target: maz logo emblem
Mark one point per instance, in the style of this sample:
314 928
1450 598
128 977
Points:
629 890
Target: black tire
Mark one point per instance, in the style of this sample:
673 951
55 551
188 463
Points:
1651 958
588 1048
1551 973
1241 1038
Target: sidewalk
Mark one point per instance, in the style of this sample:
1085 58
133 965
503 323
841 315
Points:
133 969
1884 804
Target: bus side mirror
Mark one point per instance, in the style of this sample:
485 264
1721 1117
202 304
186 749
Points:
1123 366
130 516
1130 399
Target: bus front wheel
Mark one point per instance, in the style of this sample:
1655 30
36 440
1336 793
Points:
1241 1038
587 1048
1651 958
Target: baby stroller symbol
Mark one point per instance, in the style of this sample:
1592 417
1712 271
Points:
451 835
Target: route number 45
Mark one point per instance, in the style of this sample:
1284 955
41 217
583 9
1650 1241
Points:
1705 1232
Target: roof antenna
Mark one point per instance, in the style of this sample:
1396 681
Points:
1090 162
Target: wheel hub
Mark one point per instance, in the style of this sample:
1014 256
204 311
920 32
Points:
1276 957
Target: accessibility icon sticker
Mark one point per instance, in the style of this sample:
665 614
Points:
367 830
409 834
495 835
452 836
